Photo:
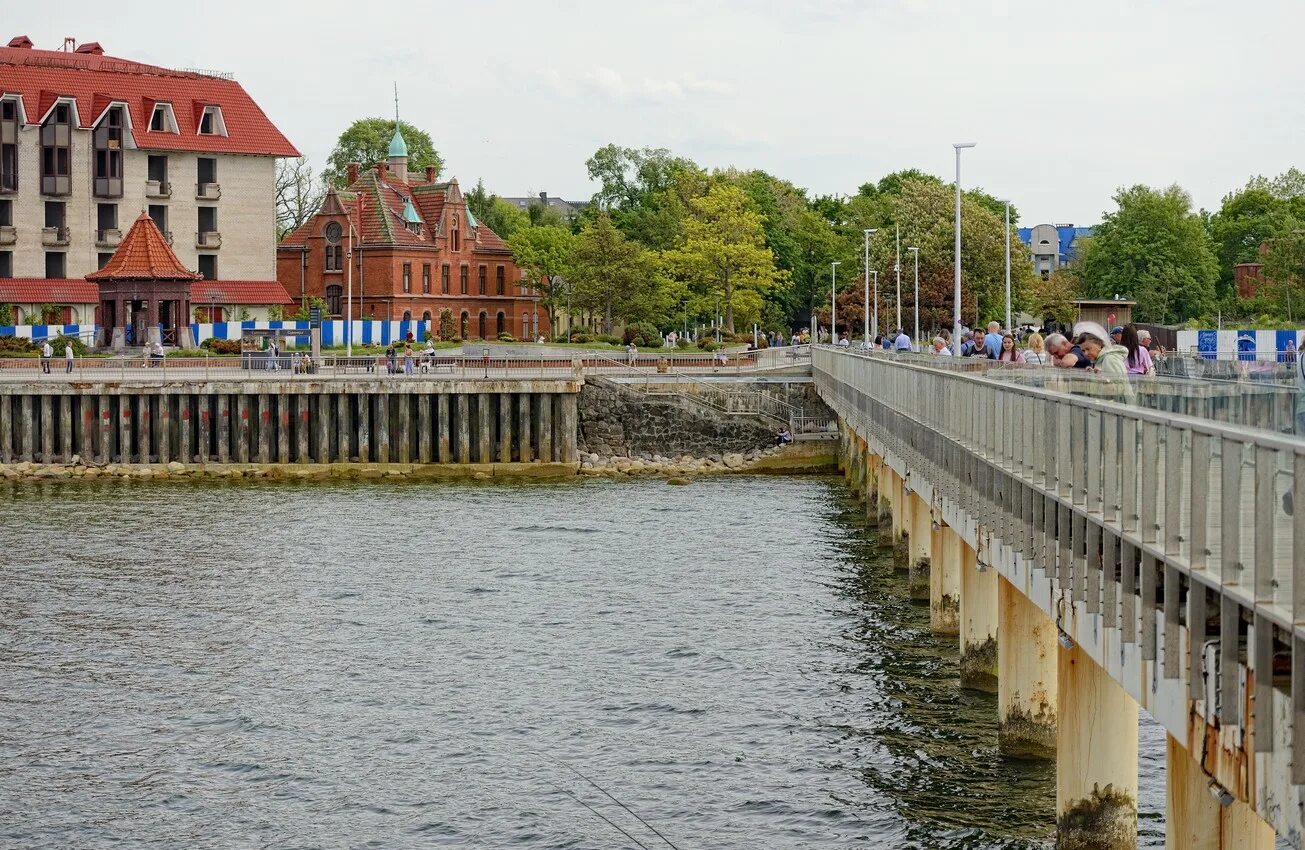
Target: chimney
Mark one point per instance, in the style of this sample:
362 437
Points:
431 174
351 173
21 41
543 198
381 169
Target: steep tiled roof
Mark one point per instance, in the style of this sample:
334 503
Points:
95 80
143 254
224 292
41 290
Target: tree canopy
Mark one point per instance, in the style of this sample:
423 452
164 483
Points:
367 141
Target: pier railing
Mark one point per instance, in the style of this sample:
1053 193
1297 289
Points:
1146 517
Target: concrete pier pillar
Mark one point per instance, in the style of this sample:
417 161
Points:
324 428
124 428
1096 757
165 428
546 427
303 427
901 525
344 432
384 453
871 489
283 423
505 427
979 618
1194 820
144 428
224 428
88 429
884 503
105 416
403 439
47 429
66 428
921 548
423 428
484 429
365 427
568 428
945 581
525 436
6 429
185 406
443 426
26 440
244 428
1026 685
462 418
203 428
264 428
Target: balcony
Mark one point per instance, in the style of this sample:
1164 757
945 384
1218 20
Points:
208 239
158 189
55 237
208 191
8 234
108 238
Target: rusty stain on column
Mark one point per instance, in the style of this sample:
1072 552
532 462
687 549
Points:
66 428
106 430
124 428
6 429
244 428
343 431
303 427
186 405
324 428
264 428
165 428
364 427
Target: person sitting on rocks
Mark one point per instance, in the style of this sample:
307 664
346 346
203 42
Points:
783 438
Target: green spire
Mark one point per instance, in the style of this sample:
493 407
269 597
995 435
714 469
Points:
409 211
398 147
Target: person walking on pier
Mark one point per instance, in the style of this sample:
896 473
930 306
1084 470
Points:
391 360
46 353
407 360
68 355
902 342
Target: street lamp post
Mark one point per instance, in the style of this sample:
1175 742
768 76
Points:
866 301
897 269
833 301
916 252
1008 324
956 293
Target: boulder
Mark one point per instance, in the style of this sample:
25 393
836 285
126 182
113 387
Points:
733 460
176 466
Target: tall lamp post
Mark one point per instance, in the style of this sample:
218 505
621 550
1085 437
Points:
956 293
866 323
1008 324
897 269
833 301
916 252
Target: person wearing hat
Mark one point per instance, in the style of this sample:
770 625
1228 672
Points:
1107 358
1117 335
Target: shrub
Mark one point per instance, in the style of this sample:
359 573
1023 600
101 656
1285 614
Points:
6 315
275 312
221 346
581 338
16 345
448 331
561 338
682 343
610 339
643 334
708 345
506 337
61 342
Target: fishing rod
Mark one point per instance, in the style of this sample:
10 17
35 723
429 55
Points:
600 814
603 791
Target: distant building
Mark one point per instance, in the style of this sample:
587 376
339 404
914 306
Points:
568 209
1107 312
1248 278
1052 245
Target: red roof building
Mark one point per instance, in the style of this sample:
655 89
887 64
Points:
416 250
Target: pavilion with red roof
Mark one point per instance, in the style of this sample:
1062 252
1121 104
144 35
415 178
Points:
144 286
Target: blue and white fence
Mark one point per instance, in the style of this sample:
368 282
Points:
41 332
1244 344
333 332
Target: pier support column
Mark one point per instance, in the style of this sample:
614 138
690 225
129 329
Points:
920 552
106 430
546 427
87 431
462 415
185 404
1096 757
442 428
283 420
871 489
124 428
144 428
365 427
568 428
203 428
303 427
66 428
47 429
505 427
403 439
945 581
423 428
243 428
525 449
343 431
484 429
382 426
165 428
26 430
887 522
1026 684
224 428
901 525
264 428
324 428
6 429
978 622
1194 820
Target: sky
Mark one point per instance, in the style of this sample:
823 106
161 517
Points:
1067 101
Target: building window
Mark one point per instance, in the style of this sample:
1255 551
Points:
334 258
9 145
56 264
466 324
454 239
481 275
156 174
159 215
56 151
482 324
56 213
208 266
498 280
407 315
425 317
6 263
211 123
333 293
463 279
163 119
102 259
108 155
106 219
206 171
6 213
207 219
444 279
500 324
425 278
407 277
525 326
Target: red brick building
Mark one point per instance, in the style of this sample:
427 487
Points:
417 250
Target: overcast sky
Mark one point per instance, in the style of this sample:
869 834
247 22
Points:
1068 101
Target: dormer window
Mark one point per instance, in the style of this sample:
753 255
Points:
108 154
10 123
162 120
211 123
56 151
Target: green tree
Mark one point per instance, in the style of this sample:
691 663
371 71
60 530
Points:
544 254
1284 272
724 258
644 192
367 141
1246 220
1154 248
497 214
607 270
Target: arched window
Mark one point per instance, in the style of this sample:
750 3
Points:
463 280
425 317
333 293
466 324
407 315
482 324
483 272
525 326
500 324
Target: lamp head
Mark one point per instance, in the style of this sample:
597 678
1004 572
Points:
962 145
916 250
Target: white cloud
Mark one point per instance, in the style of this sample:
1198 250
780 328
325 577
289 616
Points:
612 85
